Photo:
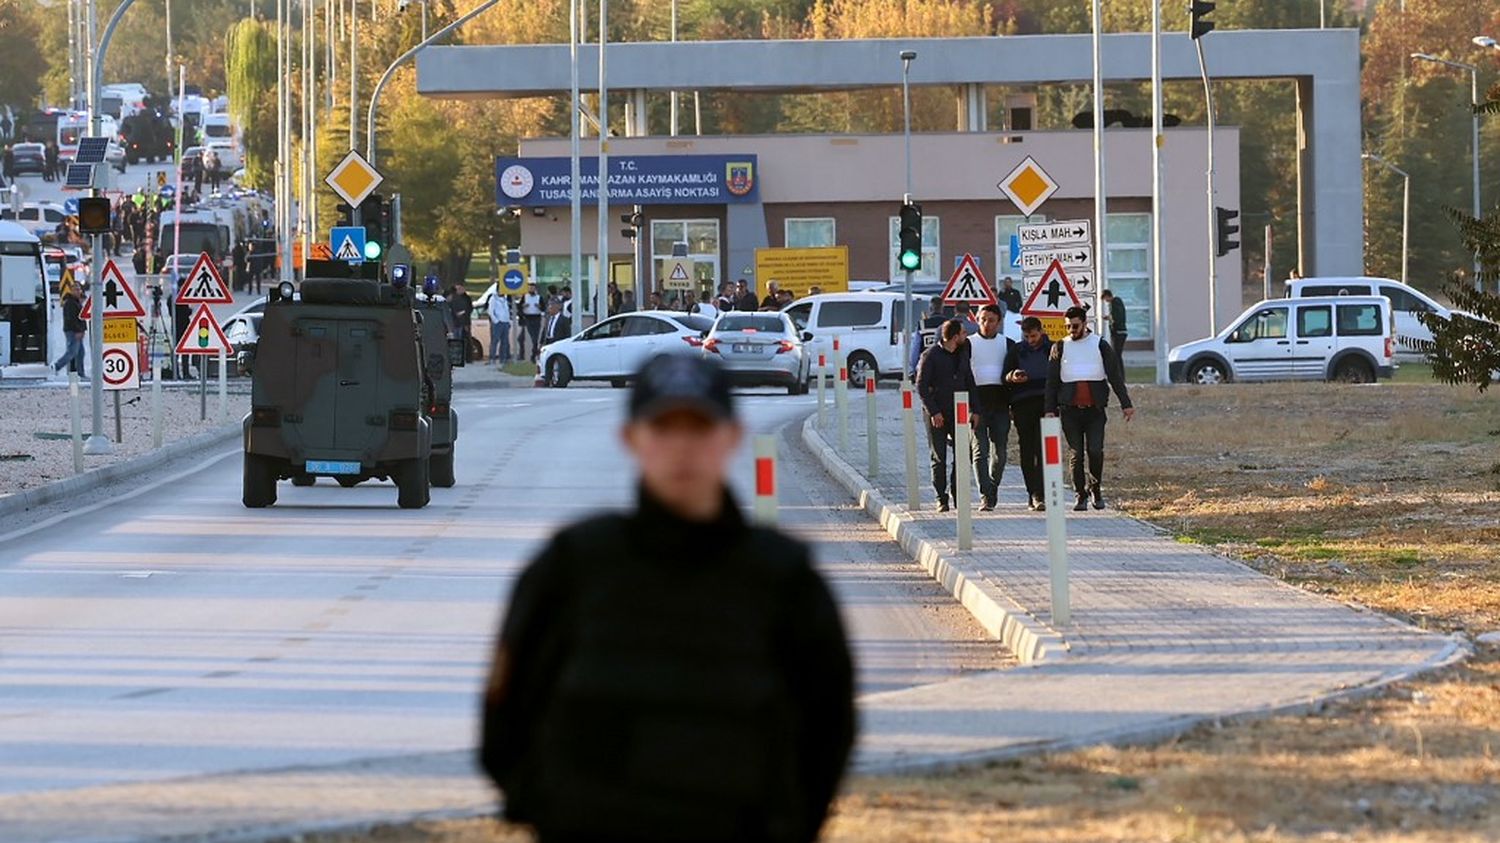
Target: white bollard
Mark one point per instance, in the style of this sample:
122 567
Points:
963 483
871 431
841 396
764 508
223 389
1057 525
155 397
76 413
822 373
909 433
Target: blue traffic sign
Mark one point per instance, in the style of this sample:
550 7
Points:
514 280
70 206
348 243
1015 250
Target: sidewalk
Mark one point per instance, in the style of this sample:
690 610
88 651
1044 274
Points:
1164 635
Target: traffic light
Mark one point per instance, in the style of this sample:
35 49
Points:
635 220
375 219
346 214
909 253
1198 9
93 215
1226 228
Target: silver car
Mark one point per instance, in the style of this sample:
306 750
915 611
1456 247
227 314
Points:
761 349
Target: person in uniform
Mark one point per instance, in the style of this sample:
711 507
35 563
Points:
671 673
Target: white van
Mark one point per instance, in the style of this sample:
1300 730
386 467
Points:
29 312
1336 338
868 326
1407 302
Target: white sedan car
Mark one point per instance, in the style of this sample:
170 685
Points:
615 349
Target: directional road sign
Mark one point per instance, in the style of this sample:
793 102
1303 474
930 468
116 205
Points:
513 280
348 243
204 336
353 179
1054 234
119 299
1083 281
1036 261
967 284
1028 186
677 274
204 285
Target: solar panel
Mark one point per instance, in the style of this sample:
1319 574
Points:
80 177
91 150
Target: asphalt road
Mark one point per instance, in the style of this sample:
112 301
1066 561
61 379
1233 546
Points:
163 631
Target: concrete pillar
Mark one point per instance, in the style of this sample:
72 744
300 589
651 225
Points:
978 108
1306 201
638 123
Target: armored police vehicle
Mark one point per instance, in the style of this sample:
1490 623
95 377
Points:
340 389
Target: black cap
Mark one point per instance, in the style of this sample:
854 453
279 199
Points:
681 382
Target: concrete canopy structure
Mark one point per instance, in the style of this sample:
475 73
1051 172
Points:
1324 64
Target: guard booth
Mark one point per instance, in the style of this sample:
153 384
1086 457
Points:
27 307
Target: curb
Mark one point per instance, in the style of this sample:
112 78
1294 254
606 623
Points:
94 478
1033 642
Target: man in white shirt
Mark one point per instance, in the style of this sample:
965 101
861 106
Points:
705 307
499 313
531 322
987 352
1082 370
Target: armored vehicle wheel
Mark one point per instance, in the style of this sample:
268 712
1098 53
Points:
348 482
259 481
303 479
411 484
440 469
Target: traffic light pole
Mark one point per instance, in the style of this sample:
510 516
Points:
1158 254
1213 216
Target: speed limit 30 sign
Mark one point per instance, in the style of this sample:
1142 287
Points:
120 349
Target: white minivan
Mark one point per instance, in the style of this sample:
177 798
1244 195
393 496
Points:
1407 302
868 326
1336 338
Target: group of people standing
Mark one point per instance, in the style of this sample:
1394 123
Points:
537 316
1017 384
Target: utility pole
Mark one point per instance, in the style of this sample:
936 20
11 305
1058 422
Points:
601 283
575 191
1101 197
673 125
1213 219
1158 262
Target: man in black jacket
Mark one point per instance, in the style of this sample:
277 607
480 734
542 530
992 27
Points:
671 674
1026 364
943 370
1080 373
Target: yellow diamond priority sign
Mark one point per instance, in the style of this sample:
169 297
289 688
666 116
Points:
1028 185
354 179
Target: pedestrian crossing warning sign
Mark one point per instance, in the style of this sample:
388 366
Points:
968 285
678 274
204 285
348 251
204 336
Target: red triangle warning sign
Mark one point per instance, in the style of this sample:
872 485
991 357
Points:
967 284
119 299
203 335
1053 295
204 285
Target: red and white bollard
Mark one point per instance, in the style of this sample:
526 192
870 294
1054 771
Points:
841 395
909 434
871 431
1057 525
963 482
822 373
764 508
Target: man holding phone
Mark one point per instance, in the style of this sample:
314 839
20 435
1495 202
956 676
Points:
1026 373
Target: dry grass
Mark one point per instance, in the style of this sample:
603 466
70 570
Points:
1388 496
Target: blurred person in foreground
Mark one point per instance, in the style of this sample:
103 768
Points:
671 673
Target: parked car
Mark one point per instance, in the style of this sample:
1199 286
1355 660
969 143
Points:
760 349
1407 302
868 326
613 350
1336 338
30 158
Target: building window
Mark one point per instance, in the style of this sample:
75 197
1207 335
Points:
1005 228
701 240
809 232
931 249
1130 270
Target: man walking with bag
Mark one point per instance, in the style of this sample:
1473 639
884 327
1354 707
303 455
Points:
1080 372
672 673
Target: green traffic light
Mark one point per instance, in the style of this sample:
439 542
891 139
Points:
372 250
911 260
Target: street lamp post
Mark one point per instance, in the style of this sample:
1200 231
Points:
907 57
1474 132
1405 207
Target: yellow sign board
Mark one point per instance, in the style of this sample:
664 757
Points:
678 274
121 330
353 179
799 270
1056 327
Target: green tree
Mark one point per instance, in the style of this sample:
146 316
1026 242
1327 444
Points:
21 59
250 63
